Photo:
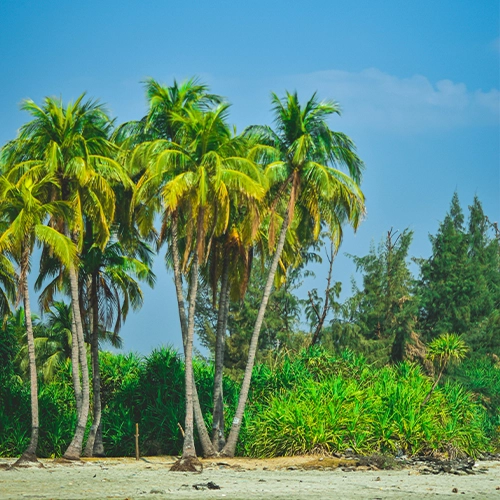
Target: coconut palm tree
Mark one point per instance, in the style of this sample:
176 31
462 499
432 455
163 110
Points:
228 274
52 341
305 182
22 205
110 284
204 170
108 287
165 103
72 144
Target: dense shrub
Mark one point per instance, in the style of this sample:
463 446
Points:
308 403
321 403
482 377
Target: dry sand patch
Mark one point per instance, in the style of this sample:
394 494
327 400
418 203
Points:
239 478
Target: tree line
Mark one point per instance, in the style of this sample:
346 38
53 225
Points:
101 199
397 306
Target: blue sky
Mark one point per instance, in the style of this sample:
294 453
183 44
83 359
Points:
418 83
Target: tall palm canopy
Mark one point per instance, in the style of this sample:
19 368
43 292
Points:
306 158
73 144
22 205
301 155
91 194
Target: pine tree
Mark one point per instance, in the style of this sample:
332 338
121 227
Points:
445 284
483 334
460 282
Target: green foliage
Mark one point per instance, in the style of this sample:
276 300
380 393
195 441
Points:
350 404
447 348
149 391
279 327
460 282
303 404
482 377
63 166
9 347
379 319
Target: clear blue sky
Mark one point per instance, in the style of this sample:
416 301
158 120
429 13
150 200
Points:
418 83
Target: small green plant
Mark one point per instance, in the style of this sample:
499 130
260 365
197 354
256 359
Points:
444 350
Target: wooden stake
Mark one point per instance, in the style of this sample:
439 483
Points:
181 429
137 441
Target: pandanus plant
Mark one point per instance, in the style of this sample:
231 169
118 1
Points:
446 349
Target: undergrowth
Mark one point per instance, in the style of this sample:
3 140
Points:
310 403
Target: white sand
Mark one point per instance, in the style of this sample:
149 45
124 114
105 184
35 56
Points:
238 479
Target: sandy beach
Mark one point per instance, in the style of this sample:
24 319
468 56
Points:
150 478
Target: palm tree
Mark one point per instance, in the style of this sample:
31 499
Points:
108 288
230 264
72 143
22 205
110 283
443 350
165 103
204 170
305 184
52 341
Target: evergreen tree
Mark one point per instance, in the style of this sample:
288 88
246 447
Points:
460 282
445 284
384 309
483 334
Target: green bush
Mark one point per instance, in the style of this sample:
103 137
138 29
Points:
303 404
482 377
339 403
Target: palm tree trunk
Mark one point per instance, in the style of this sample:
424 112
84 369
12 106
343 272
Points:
230 446
208 449
218 438
75 367
29 455
99 443
74 449
92 447
188 449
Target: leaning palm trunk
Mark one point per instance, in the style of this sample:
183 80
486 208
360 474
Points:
230 447
29 455
94 447
208 449
75 367
74 450
218 438
188 449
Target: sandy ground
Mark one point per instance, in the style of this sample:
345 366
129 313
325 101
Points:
149 478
